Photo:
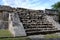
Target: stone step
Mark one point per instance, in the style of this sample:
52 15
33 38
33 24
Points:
32 23
38 26
37 23
39 29
29 19
42 32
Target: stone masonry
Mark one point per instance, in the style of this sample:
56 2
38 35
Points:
26 22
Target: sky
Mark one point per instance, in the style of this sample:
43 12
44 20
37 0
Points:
29 4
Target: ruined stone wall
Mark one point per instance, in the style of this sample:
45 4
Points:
53 13
5 10
3 20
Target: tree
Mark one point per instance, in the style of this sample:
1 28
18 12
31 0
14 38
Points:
57 6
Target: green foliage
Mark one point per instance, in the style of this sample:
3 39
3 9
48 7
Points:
56 5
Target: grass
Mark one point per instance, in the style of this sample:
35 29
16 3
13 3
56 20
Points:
52 36
20 38
5 33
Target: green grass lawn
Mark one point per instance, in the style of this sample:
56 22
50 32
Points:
52 36
5 33
20 38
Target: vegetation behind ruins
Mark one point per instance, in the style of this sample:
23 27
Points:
57 7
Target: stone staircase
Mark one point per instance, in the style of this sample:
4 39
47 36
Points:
35 23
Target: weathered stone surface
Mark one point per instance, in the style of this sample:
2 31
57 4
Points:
16 27
35 22
29 22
